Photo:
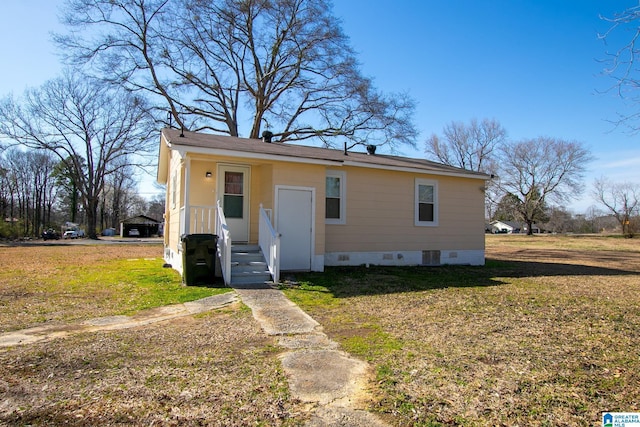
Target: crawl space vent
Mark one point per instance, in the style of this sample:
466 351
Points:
430 257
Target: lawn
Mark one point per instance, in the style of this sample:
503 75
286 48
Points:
214 369
546 333
56 283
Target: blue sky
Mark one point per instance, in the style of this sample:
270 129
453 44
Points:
532 65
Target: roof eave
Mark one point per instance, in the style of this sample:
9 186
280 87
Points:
428 171
223 152
163 163
347 161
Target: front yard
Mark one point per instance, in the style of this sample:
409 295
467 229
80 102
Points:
546 334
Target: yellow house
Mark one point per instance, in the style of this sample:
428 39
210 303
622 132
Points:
303 208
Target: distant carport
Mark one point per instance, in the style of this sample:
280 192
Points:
145 225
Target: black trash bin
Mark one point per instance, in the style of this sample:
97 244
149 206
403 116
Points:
199 253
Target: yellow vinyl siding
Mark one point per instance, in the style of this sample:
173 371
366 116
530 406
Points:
203 189
380 214
264 178
173 210
380 204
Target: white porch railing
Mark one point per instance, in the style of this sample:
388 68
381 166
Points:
224 244
202 219
183 223
269 241
210 219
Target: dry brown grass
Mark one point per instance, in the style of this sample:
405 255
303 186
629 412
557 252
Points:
217 369
545 334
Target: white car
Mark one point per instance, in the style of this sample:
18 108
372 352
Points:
134 232
70 234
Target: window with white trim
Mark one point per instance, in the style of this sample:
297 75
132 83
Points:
335 200
426 202
174 189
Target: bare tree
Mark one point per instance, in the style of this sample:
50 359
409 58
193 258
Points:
286 64
85 123
65 174
42 164
472 146
541 170
559 220
28 189
155 209
18 182
622 199
119 189
620 62
5 191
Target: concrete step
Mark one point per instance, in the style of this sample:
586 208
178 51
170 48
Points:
248 265
249 277
246 254
258 266
245 258
245 248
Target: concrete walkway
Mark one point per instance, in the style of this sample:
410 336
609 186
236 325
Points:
329 380
145 317
332 383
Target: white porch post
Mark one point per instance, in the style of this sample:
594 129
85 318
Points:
187 192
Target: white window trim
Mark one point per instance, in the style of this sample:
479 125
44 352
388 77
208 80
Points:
434 183
343 197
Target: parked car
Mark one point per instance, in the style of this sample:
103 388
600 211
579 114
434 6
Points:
70 234
50 234
134 232
109 232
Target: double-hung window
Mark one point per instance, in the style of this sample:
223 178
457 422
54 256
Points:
426 202
174 190
335 200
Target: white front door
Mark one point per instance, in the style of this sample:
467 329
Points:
233 192
294 222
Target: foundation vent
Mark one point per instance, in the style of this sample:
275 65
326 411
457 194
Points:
430 257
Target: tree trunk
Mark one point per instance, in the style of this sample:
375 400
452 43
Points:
74 203
92 215
529 227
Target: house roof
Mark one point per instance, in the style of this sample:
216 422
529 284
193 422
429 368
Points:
140 219
511 224
204 143
514 225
